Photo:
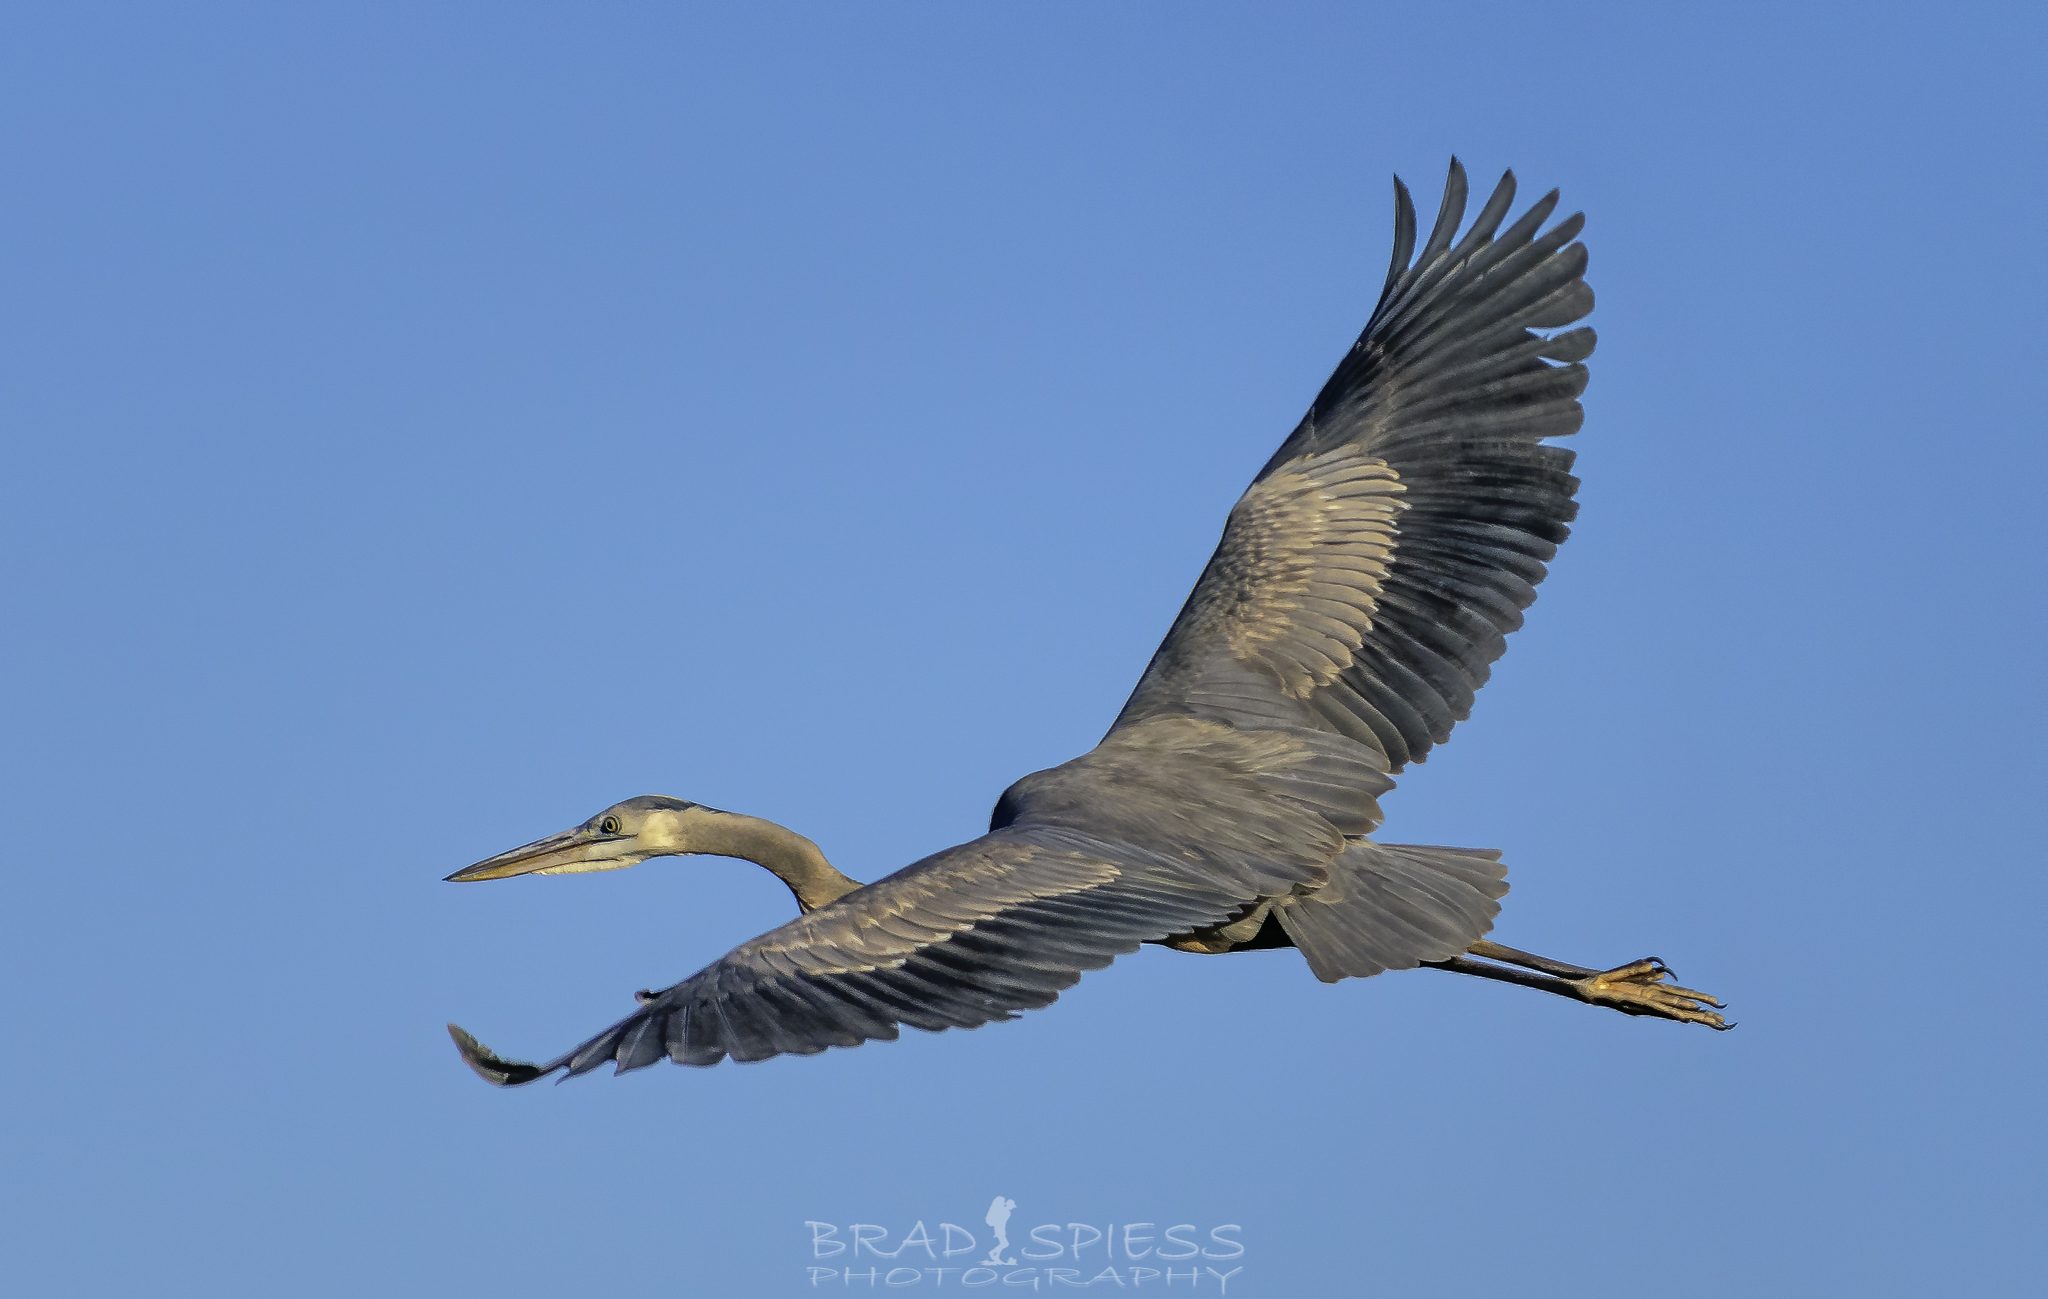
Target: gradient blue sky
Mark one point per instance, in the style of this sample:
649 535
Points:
427 424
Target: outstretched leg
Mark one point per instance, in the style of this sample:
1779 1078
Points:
1638 988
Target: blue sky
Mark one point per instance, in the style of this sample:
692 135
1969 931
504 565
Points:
426 425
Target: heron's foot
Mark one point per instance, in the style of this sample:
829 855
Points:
645 995
1644 988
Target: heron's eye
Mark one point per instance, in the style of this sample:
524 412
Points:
610 825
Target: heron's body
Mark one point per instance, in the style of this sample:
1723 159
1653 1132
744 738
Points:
1363 588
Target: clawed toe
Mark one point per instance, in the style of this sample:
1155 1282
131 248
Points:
1650 968
1642 988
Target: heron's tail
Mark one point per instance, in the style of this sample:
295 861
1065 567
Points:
1392 906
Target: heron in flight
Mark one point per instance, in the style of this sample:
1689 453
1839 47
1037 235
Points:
1363 588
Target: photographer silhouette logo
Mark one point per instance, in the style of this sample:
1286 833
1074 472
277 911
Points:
999 1211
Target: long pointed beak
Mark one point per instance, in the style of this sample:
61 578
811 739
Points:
572 850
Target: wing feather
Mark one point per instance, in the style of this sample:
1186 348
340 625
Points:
1367 580
1051 905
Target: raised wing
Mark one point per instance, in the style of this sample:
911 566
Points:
1367 580
1177 824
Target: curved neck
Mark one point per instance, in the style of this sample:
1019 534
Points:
792 858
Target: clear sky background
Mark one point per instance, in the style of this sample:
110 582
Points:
427 424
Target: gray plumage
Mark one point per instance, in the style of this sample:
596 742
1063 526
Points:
1363 588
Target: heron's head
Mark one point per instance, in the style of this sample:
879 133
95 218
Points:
624 834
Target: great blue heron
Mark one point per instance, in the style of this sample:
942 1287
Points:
1363 588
